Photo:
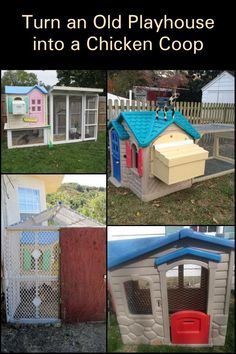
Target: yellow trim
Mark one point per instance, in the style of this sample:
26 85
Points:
31 120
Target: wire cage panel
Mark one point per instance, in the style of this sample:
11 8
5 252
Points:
32 275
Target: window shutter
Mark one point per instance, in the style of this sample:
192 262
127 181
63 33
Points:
10 105
128 155
26 104
46 260
26 259
140 162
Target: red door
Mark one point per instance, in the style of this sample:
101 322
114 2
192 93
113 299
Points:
190 327
83 266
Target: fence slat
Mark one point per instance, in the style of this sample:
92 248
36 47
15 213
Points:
195 112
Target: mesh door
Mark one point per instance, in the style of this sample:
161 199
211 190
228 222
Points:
187 288
32 276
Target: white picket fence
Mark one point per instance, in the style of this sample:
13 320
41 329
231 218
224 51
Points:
195 112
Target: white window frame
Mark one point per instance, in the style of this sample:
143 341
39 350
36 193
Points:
84 109
32 212
95 124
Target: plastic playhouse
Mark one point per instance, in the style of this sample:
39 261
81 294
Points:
62 115
172 289
154 154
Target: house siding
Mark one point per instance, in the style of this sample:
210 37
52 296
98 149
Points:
220 90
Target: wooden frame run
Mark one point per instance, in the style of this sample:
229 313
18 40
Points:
219 131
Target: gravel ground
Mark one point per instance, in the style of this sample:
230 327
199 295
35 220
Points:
82 337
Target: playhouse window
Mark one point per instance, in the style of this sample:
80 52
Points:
192 276
134 156
186 275
138 297
187 288
29 202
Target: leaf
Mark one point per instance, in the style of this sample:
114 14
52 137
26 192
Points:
156 205
192 201
215 220
138 213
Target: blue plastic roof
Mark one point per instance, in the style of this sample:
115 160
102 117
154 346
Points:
122 133
23 90
146 127
42 237
187 251
122 251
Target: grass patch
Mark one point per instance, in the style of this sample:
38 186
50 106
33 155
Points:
86 156
208 202
115 344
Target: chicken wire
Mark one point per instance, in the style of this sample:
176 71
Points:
186 292
32 276
138 297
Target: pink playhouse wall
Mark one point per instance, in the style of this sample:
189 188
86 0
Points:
36 106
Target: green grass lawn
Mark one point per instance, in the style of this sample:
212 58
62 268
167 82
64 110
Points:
208 202
82 157
115 344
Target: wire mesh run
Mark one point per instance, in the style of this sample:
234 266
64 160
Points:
187 288
32 272
138 297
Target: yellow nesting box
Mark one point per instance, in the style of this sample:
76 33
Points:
178 163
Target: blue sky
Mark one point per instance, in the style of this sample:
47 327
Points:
88 180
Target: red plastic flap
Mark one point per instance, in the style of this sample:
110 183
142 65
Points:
128 155
190 327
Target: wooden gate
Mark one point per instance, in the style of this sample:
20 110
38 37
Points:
83 267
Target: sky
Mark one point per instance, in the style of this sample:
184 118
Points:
88 180
48 77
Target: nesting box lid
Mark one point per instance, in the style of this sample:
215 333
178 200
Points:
178 155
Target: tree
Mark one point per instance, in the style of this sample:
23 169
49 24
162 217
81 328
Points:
18 78
171 79
87 200
121 81
82 78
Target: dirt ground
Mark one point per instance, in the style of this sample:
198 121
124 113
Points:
82 337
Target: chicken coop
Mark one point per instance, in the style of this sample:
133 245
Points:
45 257
171 289
63 115
155 154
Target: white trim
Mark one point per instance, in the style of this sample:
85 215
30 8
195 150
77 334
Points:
83 115
70 88
176 143
9 139
67 117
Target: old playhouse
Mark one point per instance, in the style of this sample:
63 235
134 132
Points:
154 155
54 266
172 289
62 115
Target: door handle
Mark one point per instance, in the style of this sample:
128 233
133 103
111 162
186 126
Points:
117 162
